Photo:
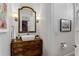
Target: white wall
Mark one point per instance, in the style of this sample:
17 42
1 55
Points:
44 27
47 28
58 11
50 32
5 37
15 7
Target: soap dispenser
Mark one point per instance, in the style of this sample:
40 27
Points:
18 38
37 37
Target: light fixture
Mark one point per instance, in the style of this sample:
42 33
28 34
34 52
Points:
38 18
15 16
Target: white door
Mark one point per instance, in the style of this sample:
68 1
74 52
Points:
76 29
77 44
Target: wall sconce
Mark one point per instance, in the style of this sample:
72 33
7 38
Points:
38 18
15 16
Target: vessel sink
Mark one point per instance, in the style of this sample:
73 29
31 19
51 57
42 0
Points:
28 37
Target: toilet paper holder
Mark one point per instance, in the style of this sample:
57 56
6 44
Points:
75 45
63 45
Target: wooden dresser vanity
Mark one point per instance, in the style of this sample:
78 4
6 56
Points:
27 48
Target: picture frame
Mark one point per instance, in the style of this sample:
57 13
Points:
3 17
65 25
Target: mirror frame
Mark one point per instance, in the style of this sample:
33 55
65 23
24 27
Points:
19 19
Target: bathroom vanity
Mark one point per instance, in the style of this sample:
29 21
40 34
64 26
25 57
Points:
26 24
27 48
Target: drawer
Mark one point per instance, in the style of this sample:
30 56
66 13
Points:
17 50
27 48
17 45
35 52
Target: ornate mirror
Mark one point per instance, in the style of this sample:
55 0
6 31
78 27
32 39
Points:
27 20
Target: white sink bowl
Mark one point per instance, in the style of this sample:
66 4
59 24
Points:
28 37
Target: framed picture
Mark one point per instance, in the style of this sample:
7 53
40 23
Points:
3 17
65 25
